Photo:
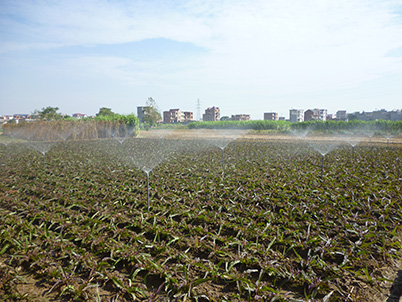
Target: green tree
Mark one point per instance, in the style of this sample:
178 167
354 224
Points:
49 113
105 112
152 115
225 118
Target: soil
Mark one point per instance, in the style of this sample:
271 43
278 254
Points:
260 135
28 288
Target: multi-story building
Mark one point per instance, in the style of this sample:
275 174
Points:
177 116
315 114
188 116
341 115
322 115
271 116
211 114
240 117
311 115
296 115
172 116
394 115
141 113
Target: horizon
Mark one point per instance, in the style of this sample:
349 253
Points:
304 110
241 56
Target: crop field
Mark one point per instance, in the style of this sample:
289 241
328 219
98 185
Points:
200 219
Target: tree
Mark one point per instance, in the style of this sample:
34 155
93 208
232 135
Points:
225 118
105 112
48 113
152 115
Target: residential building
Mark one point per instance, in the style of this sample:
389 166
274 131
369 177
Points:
296 115
6 118
395 115
177 116
240 117
315 114
271 116
141 113
173 116
188 116
211 114
311 115
341 115
79 115
322 114
20 117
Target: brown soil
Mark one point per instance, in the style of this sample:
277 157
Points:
255 135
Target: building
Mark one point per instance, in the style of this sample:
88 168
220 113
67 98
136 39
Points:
188 116
211 114
173 116
240 117
394 115
79 115
322 115
296 115
311 115
22 117
341 115
177 116
141 113
271 116
315 114
6 118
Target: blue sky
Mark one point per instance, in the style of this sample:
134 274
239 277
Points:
242 56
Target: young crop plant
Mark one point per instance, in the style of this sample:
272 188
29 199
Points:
269 230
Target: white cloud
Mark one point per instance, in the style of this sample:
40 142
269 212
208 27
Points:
261 48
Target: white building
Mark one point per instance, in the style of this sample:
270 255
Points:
296 115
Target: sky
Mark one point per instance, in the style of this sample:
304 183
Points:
243 56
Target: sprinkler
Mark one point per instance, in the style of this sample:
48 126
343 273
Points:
323 149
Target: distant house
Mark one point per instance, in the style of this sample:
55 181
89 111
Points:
341 115
173 116
296 115
315 115
79 115
211 114
188 116
273 116
311 115
394 115
6 118
177 116
240 117
22 116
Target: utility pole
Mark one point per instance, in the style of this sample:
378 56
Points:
198 110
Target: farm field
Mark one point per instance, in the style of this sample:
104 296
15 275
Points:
251 219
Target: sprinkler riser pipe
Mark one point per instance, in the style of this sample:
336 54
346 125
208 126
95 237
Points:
223 159
148 190
322 166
